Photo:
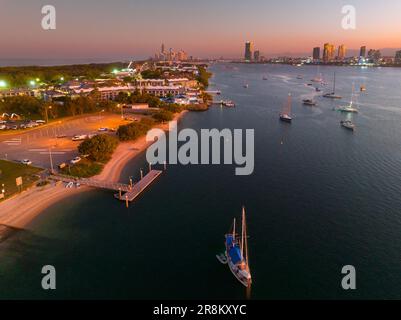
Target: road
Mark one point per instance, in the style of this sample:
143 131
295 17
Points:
37 144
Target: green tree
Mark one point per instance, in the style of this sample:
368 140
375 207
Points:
163 116
99 148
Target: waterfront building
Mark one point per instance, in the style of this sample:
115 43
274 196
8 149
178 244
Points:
342 52
256 55
163 91
19 92
374 56
362 52
328 52
248 51
141 83
397 59
316 53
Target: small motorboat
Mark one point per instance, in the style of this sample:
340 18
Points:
348 124
285 114
317 89
222 258
309 102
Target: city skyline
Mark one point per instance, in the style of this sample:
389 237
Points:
123 29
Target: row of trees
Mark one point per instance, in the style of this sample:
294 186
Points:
33 108
20 76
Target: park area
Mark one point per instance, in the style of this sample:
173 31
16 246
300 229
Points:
10 171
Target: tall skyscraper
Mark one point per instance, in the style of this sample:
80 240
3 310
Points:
162 48
397 57
256 55
362 52
248 50
328 52
342 52
316 53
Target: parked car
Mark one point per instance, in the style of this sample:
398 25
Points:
2 126
102 129
40 121
26 162
60 136
79 137
75 160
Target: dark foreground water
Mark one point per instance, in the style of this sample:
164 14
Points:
320 198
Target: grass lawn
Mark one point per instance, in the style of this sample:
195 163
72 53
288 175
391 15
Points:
83 169
9 171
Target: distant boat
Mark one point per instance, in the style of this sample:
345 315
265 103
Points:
285 115
333 95
348 124
228 103
309 102
300 77
350 107
246 86
317 89
265 78
236 253
363 88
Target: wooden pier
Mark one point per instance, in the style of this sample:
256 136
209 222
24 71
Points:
138 187
126 192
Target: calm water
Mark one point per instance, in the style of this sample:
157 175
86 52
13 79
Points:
320 198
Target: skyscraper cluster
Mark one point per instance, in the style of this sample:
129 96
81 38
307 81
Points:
251 54
170 55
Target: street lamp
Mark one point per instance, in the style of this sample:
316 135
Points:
46 112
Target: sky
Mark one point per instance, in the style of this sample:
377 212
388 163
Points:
121 29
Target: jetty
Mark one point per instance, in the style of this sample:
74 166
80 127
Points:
126 192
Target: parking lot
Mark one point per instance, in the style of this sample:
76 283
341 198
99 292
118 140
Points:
54 141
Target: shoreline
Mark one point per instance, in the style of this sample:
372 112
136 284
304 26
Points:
20 211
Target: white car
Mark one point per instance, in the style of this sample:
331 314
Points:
26 162
40 121
102 129
79 137
75 160
2 127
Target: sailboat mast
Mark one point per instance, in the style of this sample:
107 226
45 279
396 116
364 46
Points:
334 88
234 230
243 232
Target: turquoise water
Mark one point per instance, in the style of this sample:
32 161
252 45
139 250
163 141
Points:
320 198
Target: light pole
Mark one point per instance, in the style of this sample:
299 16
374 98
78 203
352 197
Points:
51 161
47 108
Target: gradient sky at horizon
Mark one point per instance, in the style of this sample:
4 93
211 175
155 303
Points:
136 28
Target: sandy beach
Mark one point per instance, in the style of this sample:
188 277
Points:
19 211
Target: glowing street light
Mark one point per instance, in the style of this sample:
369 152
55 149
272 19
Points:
3 84
32 83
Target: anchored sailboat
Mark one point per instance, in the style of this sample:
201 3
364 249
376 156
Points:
350 107
333 95
236 254
285 115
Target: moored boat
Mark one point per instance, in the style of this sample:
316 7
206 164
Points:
309 102
348 124
285 115
237 253
333 95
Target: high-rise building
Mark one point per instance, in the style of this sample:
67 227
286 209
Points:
341 52
362 52
374 55
162 48
398 57
248 50
256 55
316 53
328 52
